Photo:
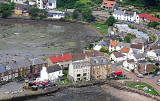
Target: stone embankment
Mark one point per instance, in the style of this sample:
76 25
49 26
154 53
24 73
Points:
112 83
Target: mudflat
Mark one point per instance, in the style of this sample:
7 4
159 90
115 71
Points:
42 38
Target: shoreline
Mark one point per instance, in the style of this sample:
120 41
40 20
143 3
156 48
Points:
111 83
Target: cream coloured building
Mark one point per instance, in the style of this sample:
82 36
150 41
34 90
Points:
80 70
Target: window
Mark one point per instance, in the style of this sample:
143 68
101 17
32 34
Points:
50 4
84 74
78 78
85 78
78 75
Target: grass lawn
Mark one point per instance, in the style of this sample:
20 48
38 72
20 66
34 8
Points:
66 81
101 26
141 86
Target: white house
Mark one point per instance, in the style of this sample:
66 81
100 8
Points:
154 54
51 73
100 45
19 1
79 70
118 57
137 57
56 14
129 65
113 46
46 4
126 16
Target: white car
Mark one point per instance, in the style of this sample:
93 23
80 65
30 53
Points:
158 83
140 75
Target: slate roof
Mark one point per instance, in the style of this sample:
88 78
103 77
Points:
118 12
51 1
139 40
122 44
118 54
2 69
37 61
137 46
126 28
54 68
93 53
80 64
78 56
99 60
22 7
139 56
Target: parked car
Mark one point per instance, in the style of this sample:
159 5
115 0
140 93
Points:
158 83
140 75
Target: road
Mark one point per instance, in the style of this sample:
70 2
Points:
148 79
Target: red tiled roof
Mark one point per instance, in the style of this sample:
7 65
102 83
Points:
107 3
60 58
149 17
125 50
113 43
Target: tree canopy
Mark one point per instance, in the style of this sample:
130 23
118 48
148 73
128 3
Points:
6 9
110 21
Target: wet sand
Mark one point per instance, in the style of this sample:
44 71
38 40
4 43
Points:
42 38
93 93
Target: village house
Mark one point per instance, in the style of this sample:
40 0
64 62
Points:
51 73
2 71
140 41
126 51
19 1
36 65
92 53
137 48
109 5
100 44
100 67
146 18
129 65
21 9
63 59
118 57
137 57
154 54
126 16
79 70
113 46
46 4
52 14
125 29
144 67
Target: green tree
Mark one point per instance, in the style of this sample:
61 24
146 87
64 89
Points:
6 9
87 15
102 49
75 14
153 24
42 14
110 21
127 39
34 12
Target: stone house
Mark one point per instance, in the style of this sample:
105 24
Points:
79 70
144 67
100 67
36 65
